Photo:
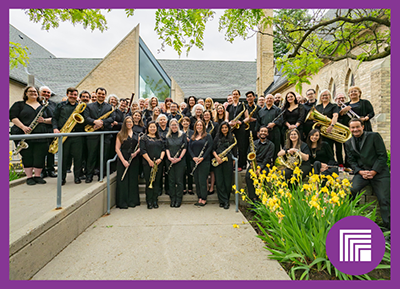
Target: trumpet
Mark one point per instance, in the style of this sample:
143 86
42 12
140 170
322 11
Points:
223 155
131 158
90 127
350 113
200 155
153 173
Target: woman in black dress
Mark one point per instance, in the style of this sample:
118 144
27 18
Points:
191 102
152 148
162 122
126 146
138 125
294 144
224 170
220 114
321 157
294 115
176 144
189 133
200 147
211 128
362 107
22 113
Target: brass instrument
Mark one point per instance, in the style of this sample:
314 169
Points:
236 126
153 173
131 158
180 120
212 127
73 119
175 156
90 127
250 115
350 113
22 144
223 154
288 160
251 156
200 155
340 132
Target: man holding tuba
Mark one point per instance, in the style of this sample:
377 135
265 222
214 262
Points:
260 153
72 147
98 116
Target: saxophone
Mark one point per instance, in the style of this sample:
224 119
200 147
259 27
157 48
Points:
90 127
250 115
222 155
236 126
69 125
251 156
153 173
22 144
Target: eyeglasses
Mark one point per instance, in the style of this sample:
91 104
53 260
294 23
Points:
353 91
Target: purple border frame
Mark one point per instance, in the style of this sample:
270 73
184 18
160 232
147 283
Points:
203 4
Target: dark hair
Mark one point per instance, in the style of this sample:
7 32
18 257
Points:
168 99
216 116
174 103
263 126
195 101
220 135
249 92
287 104
84 91
204 134
71 89
186 118
313 90
289 143
319 142
236 90
25 96
356 119
123 133
141 124
101 88
147 128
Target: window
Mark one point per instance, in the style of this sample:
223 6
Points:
332 88
153 81
349 80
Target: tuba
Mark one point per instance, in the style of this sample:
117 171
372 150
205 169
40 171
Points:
340 132
288 160
251 156
90 127
222 155
73 119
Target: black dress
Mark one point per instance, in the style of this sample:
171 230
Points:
128 189
297 115
240 133
328 111
363 108
188 162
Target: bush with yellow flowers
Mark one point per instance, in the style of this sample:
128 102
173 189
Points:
14 169
295 217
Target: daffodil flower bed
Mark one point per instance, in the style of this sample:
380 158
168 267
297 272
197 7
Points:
295 217
13 172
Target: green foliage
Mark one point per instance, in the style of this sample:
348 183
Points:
14 169
388 158
18 55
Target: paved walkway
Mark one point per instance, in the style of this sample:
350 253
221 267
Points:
186 243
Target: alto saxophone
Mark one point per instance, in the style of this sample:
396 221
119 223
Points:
236 126
22 144
251 156
250 115
153 173
223 155
90 127
69 125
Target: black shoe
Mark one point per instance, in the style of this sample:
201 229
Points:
202 204
210 193
63 182
221 205
69 171
167 193
226 206
77 181
184 192
82 177
30 182
172 205
149 206
52 174
159 193
43 174
155 205
89 180
39 180
177 205
190 192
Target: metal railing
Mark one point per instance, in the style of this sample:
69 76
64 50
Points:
60 151
236 183
108 183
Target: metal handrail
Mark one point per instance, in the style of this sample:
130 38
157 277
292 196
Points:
236 183
60 149
108 182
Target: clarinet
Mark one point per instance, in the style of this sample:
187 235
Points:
201 153
131 158
175 156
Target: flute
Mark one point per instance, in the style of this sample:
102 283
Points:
201 153
131 158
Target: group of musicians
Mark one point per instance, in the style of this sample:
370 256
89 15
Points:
173 146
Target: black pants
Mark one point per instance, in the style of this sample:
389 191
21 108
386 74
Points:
223 179
151 193
164 179
242 145
34 155
317 169
187 174
72 149
93 147
49 159
200 178
339 153
175 180
275 138
381 186
128 189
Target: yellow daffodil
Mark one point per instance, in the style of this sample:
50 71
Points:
335 175
235 226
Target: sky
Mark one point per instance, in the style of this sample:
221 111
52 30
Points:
68 41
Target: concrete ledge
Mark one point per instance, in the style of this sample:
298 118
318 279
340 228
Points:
36 244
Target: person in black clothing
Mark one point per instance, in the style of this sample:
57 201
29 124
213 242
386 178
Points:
340 157
252 108
201 141
224 170
321 157
152 148
220 114
189 133
174 113
294 115
191 102
72 147
116 125
162 122
362 107
197 114
92 114
264 150
48 169
127 194
311 102
176 145
366 153
293 145
148 112
84 96
211 128
268 116
232 111
22 114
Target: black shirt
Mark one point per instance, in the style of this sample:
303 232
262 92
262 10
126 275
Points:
196 146
174 143
26 114
212 126
308 105
324 154
305 150
162 132
153 147
62 113
235 110
119 117
95 110
266 116
221 143
328 110
297 115
250 109
264 152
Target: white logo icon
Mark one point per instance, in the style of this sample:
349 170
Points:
355 245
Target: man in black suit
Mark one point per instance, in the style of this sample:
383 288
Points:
366 153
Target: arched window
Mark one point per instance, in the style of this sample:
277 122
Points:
317 91
332 88
349 79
